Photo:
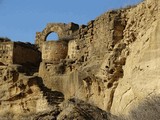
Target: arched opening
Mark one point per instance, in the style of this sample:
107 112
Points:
52 36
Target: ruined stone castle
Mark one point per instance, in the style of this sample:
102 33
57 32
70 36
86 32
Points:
18 53
103 70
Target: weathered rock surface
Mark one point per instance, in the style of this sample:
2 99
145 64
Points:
105 68
23 95
141 71
75 109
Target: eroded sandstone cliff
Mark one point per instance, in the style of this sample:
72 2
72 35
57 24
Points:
103 70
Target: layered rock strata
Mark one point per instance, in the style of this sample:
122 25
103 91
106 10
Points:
95 71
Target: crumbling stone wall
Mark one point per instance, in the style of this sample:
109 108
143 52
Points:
94 61
25 54
73 49
63 30
105 31
54 50
98 37
19 53
6 52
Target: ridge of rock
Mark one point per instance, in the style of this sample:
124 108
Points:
103 70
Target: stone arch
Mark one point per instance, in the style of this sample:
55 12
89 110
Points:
63 31
58 28
52 36
53 28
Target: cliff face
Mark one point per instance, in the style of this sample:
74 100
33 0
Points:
141 71
111 63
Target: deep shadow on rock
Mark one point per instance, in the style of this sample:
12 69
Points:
149 109
53 97
75 109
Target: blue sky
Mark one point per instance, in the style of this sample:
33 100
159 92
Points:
21 19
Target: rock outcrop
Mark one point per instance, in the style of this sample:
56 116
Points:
107 69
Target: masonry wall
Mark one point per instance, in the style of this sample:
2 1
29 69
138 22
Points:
73 49
26 54
63 30
97 37
6 52
94 58
54 50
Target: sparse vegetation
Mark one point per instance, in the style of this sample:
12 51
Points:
4 39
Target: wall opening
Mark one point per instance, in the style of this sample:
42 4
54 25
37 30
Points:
52 36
